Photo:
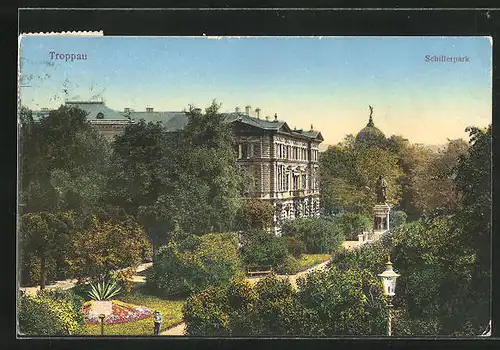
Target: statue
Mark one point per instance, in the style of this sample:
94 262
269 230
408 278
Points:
381 190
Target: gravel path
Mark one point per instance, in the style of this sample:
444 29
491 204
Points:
70 283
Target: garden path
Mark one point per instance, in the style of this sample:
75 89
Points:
70 283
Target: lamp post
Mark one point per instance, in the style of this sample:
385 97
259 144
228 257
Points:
388 278
101 317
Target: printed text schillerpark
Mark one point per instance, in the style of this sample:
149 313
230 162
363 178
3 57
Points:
446 59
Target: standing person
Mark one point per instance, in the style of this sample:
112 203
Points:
157 318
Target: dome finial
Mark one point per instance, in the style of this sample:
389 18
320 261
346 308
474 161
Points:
370 121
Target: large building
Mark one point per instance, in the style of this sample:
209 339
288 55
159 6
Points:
282 163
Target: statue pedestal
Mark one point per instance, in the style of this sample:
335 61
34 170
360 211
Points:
380 219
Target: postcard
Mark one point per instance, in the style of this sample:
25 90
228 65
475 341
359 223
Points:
254 186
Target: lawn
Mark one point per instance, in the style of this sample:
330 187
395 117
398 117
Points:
309 260
170 309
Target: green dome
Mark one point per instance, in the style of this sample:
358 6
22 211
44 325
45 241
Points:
370 134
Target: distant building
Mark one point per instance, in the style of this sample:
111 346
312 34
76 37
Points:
104 119
370 135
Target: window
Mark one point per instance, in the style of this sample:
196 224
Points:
244 151
99 116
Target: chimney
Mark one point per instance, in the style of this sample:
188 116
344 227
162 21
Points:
237 109
312 127
126 110
247 110
149 109
275 117
257 111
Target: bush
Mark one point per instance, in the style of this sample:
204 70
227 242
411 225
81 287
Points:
52 313
205 313
353 224
320 235
397 218
327 303
180 269
262 248
294 246
289 267
348 302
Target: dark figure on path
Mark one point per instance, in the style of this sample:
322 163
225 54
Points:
157 318
381 190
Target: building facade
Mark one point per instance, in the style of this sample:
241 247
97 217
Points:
281 163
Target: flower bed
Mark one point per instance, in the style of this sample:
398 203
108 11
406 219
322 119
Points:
122 312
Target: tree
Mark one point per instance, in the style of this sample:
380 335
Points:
106 246
349 173
62 161
211 178
370 164
256 214
45 236
473 217
174 182
433 185
413 162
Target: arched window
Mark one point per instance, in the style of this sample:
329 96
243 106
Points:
100 115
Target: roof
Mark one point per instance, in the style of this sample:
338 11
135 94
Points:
271 125
93 108
275 125
154 117
369 133
175 120
313 134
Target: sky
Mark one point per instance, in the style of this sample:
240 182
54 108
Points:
325 81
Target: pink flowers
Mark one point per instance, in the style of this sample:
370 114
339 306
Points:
122 312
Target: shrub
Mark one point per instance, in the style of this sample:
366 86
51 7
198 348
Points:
262 248
53 313
289 267
205 314
320 235
327 303
294 246
397 218
353 224
348 302
211 260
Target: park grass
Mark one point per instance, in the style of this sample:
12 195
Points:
171 310
309 260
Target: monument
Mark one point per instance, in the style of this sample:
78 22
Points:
381 209
381 212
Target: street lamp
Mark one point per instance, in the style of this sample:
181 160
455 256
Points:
101 317
388 278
